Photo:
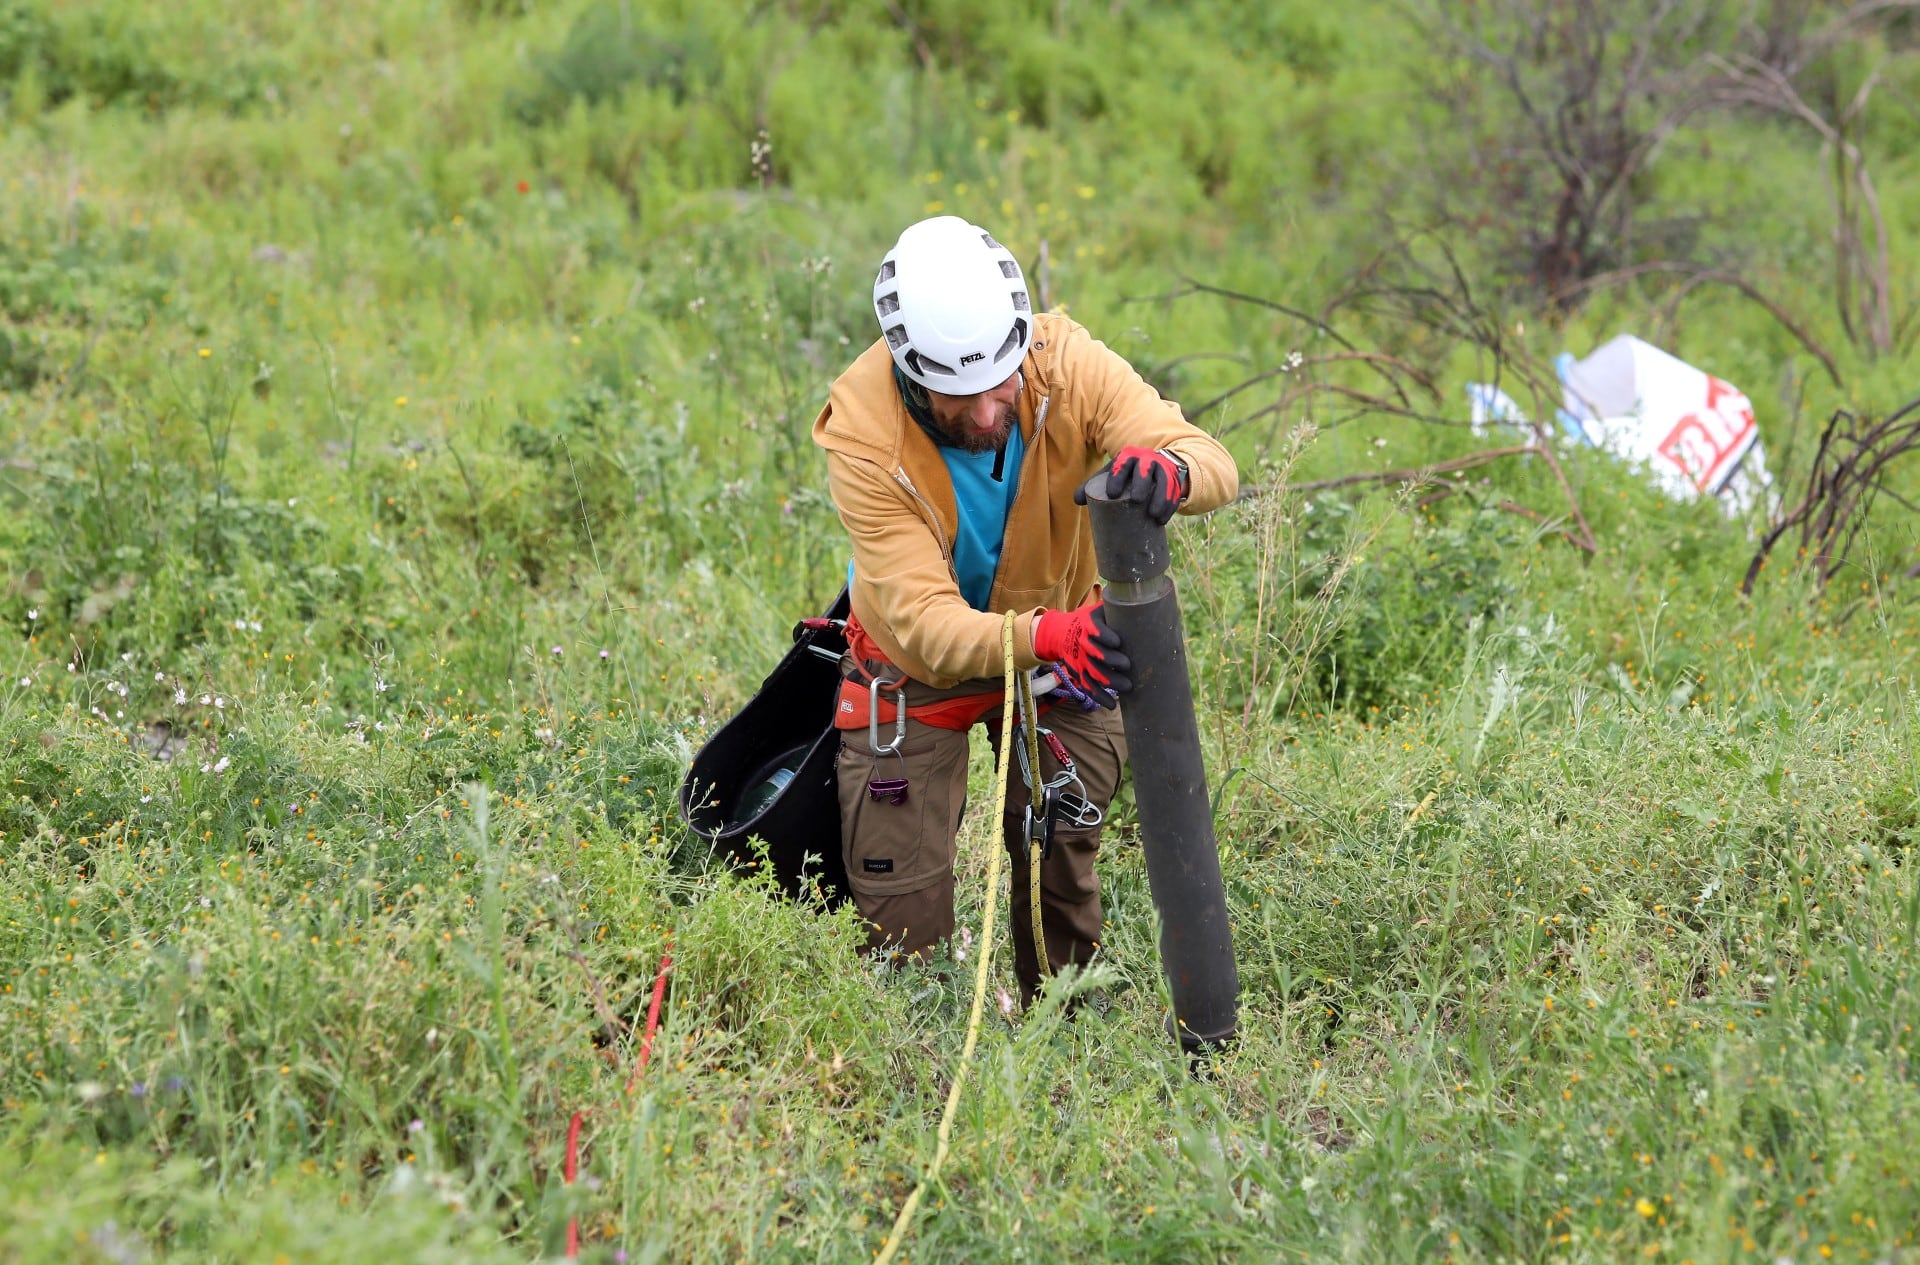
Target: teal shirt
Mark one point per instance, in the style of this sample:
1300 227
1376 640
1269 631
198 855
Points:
983 505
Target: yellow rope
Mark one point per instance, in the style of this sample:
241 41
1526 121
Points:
909 1208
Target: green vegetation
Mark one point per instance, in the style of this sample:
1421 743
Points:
405 465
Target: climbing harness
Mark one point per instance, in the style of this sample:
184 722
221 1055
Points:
1039 831
944 1137
1049 802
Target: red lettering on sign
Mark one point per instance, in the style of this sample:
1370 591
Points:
1707 445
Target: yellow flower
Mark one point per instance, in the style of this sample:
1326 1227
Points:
400 400
205 352
1644 1207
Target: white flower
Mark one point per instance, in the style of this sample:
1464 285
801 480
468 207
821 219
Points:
179 697
33 613
219 702
26 680
557 652
205 699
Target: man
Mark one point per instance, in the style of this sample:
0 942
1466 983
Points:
955 446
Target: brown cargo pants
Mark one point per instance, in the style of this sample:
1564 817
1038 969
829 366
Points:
900 857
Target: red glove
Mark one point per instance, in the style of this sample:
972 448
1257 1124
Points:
1084 651
1148 476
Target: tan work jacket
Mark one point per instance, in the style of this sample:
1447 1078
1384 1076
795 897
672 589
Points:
1082 403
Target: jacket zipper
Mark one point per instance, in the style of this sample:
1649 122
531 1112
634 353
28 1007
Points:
946 551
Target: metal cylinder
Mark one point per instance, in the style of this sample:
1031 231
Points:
1169 777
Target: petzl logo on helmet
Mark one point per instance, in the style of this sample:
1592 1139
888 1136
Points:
975 358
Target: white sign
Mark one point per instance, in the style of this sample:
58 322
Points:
1695 434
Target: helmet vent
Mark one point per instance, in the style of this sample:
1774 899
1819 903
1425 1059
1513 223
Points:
887 304
897 337
1015 337
1009 269
1020 301
922 366
886 272
988 239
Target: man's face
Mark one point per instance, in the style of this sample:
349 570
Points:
978 423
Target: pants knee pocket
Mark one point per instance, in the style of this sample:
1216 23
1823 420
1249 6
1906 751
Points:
889 848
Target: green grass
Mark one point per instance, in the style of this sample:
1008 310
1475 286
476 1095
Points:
404 421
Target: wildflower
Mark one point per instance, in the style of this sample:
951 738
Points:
1006 1002
138 1089
205 352
523 186
179 697
400 401
26 680
218 701
416 1126
558 652
604 655
206 699
1644 1207
33 614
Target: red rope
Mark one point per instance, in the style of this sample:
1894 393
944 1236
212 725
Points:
653 1014
570 1171
571 1168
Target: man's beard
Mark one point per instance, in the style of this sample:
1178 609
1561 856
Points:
968 439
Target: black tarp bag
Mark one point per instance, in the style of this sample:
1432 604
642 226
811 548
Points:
769 772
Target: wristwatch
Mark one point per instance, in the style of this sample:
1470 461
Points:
1186 480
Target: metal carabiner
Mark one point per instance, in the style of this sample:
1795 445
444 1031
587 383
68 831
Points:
899 716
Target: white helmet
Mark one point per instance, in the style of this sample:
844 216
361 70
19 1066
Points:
953 306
